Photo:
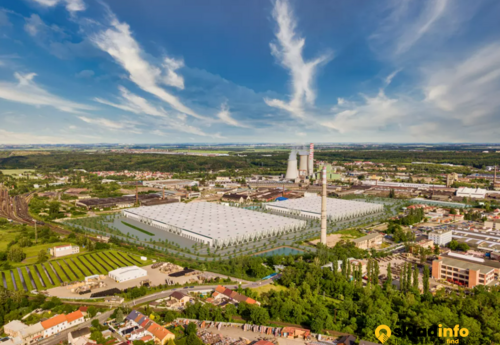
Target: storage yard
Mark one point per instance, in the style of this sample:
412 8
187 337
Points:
70 269
213 224
336 209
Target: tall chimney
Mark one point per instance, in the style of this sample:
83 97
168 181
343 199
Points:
323 208
311 160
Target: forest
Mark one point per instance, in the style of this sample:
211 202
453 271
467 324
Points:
271 162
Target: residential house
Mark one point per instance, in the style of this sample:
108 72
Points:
222 292
54 325
346 340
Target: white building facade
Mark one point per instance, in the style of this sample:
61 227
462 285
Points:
441 237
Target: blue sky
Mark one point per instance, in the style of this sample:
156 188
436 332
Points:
170 71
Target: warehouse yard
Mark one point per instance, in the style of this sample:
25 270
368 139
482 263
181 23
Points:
67 269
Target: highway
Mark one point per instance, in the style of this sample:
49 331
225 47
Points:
63 336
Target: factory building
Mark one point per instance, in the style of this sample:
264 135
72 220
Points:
124 274
441 237
465 273
214 224
336 209
305 168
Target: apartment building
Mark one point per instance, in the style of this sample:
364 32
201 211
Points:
441 237
464 273
64 250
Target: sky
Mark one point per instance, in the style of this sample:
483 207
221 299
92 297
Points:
237 71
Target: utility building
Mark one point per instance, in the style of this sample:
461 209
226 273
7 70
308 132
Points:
124 274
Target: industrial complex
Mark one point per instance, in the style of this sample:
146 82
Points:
214 224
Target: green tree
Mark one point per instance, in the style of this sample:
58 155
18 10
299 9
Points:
16 254
42 256
426 280
119 316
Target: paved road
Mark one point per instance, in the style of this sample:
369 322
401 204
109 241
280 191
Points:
63 336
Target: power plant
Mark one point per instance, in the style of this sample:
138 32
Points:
305 168
323 207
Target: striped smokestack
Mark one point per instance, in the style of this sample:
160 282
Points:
323 208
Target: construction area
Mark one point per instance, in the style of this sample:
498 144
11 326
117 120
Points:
214 224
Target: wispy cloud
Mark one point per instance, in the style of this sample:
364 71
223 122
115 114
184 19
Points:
171 77
138 105
467 90
118 42
28 92
225 116
288 50
123 124
71 5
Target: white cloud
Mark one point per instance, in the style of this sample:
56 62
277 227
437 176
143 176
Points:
372 114
34 24
71 5
467 90
288 51
16 138
28 92
118 42
171 78
391 76
86 73
225 116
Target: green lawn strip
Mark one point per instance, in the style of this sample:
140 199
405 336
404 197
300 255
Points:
17 279
72 271
102 262
124 258
37 286
82 268
118 259
61 267
79 267
10 285
46 280
91 264
58 275
51 274
107 256
138 229
107 261
101 268
27 279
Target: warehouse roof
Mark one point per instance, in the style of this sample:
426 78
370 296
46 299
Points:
214 221
124 271
334 207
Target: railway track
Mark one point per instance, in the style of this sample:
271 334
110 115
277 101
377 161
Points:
16 208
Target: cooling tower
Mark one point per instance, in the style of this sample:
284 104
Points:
311 160
323 207
291 172
303 163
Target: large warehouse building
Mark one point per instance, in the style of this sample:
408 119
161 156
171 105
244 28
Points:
123 274
213 224
336 209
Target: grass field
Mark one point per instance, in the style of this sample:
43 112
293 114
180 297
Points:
266 288
350 233
137 228
16 171
70 268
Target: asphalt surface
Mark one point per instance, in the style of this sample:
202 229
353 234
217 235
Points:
63 336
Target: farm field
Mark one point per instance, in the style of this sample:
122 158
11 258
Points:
57 272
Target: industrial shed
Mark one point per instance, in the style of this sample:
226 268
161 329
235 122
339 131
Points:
127 273
336 209
213 224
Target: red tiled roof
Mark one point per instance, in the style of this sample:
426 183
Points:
220 289
53 321
263 342
74 316
146 338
